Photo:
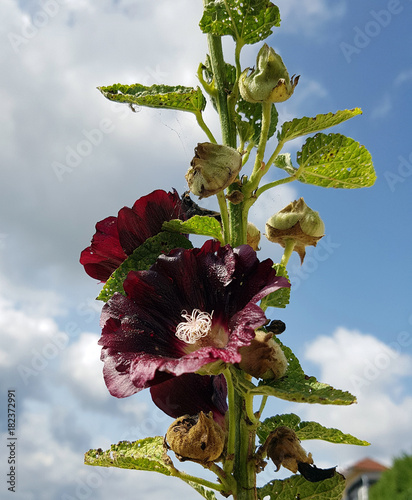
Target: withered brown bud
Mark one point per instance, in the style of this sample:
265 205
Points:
253 236
296 222
264 357
212 169
197 438
284 449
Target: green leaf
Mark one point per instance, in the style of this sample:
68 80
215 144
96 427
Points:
303 126
206 493
247 21
298 487
297 387
279 298
157 96
284 162
198 224
249 121
335 160
141 259
146 454
306 430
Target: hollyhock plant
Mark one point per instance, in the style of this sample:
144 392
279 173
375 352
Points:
117 237
193 324
192 310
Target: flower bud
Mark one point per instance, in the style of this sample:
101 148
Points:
197 438
253 236
296 222
212 169
284 449
270 81
264 357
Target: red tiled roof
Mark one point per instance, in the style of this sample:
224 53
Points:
367 464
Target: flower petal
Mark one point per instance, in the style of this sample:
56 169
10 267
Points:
190 394
117 237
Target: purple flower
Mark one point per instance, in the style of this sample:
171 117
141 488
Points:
117 237
190 394
192 308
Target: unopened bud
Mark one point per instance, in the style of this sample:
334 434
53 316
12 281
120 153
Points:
213 168
264 357
296 222
270 81
197 438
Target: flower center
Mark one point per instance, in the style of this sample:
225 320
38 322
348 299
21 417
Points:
196 325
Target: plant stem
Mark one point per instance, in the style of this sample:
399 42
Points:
244 470
289 246
198 480
225 216
218 67
258 169
204 127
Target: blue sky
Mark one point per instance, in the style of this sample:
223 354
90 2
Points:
350 317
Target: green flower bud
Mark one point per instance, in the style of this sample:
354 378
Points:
212 169
197 438
264 357
270 81
296 222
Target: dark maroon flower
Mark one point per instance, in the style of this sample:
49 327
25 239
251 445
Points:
192 308
117 237
190 394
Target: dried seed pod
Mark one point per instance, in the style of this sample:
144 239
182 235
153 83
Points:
197 438
213 168
284 449
296 222
264 357
253 236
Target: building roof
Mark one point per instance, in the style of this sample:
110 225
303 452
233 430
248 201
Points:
367 465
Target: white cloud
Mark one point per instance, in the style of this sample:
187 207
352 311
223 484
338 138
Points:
28 344
379 375
384 107
306 16
403 77
82 369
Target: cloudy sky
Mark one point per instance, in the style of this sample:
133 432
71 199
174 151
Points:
350 318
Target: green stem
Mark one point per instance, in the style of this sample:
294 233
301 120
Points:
230 449
259 169
221 198
198 480
218 67
244 470
262 406
289 246
273 184
204 127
